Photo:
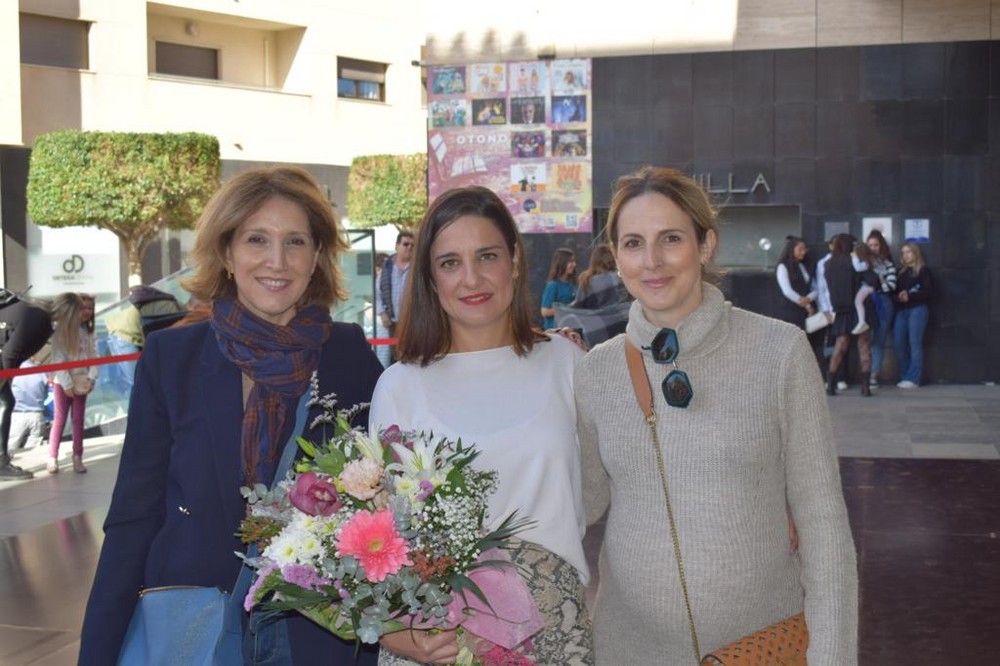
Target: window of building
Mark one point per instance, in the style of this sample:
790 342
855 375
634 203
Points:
54 42
359 79
753 236
183 60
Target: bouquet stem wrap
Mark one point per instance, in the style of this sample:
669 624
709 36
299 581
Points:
510 618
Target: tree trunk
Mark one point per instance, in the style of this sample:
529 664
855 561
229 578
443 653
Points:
135 248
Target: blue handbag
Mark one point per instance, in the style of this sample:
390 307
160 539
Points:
192 625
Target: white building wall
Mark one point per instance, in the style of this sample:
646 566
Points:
480 32
10 74
278 101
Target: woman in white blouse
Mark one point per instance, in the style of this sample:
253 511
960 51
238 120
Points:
473 366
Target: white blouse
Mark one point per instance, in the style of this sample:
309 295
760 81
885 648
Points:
520 413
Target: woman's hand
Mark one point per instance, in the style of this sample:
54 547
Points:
426 647
904 297
570 334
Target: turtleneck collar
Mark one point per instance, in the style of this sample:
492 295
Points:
697 334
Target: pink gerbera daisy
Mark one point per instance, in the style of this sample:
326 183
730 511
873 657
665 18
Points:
372 539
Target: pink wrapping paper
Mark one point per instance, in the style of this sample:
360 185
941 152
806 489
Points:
511 616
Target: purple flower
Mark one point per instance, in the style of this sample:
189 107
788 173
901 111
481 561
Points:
303 576
314 495
426 489
392 435
262 574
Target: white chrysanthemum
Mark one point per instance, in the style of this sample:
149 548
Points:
407 486
283 549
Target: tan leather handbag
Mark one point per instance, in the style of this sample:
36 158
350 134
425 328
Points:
783 643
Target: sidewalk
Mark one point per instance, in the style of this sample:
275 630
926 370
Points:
940 422
31 503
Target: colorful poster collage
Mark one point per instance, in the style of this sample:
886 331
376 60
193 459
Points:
521 129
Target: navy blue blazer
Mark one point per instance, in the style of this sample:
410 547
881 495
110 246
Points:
176 503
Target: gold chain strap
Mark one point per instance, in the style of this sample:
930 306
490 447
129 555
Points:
643 393
651 422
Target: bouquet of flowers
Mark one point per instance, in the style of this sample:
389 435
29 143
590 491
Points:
371 535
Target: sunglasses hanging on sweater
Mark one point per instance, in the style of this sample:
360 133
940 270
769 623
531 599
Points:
676 387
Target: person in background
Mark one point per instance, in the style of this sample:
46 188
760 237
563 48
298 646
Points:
148 309
214 404
561 287
796 284
600 284
842 281
600 309
28 427
72 340
747 448
914 288
863 261
885 269
473 367
383 351
826 335
392 282
25 327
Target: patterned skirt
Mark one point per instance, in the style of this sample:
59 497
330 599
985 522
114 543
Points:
555 585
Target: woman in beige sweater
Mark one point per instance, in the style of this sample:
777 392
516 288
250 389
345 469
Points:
751 448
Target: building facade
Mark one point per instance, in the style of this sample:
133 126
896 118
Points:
310 83
802 118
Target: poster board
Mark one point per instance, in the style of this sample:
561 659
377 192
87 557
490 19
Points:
522 129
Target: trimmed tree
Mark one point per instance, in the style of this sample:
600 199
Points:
387 189
132 184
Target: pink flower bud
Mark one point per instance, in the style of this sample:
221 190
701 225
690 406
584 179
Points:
314 495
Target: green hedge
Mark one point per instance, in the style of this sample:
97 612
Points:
387 189
121 181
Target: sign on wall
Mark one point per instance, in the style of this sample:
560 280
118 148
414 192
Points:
917 230
521 129
80 259
882 224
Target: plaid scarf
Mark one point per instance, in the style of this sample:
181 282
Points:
280 360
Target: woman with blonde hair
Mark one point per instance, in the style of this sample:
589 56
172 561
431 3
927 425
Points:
701 484
215 402
72 340
913 295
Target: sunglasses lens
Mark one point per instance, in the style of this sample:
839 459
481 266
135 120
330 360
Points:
665 346
677 389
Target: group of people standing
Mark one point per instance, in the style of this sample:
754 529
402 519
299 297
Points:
761 529
861 293
66 323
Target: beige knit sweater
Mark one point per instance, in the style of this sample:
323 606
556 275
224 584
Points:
755 439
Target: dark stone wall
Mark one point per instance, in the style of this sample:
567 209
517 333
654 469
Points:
907 131
13 204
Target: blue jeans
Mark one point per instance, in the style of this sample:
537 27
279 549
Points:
880 329
908 338
123 372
